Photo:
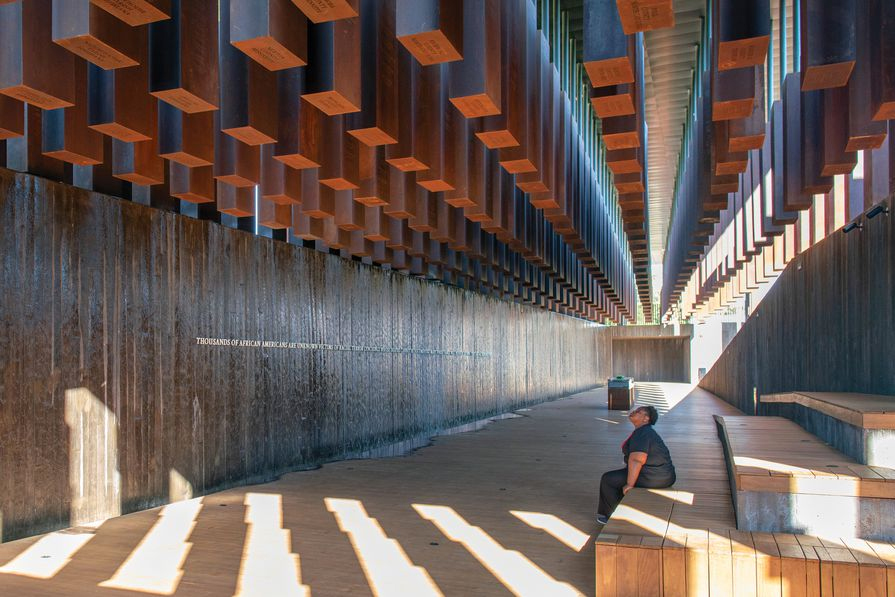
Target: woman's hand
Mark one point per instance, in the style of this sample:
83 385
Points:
626 489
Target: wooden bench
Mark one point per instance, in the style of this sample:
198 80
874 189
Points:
685 540
666 542
860 425
786 480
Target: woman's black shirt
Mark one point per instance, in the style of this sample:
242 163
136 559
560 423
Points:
658 467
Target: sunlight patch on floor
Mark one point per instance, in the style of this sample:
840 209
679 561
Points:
268 565
554 526
50 554
388 569
517 573
606 420
156 564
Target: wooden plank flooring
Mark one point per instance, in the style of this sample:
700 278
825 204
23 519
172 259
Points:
508 509
700 499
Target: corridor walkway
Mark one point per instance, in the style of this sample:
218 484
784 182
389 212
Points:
508 509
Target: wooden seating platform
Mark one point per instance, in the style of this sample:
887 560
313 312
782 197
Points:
785 479
868 411
775 454
657 543
859 425
685 541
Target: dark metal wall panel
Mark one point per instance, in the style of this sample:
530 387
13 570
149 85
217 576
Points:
826 325
652 359
109 297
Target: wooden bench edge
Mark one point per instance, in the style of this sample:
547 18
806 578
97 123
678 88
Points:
869 421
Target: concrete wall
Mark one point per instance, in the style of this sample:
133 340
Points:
816 514
652 359
649 352
147 357
827 324
875 447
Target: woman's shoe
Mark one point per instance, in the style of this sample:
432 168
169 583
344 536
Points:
601 519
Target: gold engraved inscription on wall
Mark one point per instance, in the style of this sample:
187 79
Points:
242 343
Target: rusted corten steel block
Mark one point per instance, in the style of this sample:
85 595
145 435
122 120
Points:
354 123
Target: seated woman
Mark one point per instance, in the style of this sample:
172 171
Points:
648 463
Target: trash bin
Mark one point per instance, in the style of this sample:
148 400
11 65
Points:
621 393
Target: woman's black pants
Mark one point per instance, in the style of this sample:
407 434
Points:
612 483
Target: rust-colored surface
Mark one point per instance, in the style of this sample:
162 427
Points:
195 185
120 104
377 121
475 106
430 47
330 10
624 161
324 117
827 76
743 52
188 78
187 139
279 183
837 296
137 12
613 71
616 103
333 81
621 140
26 75
645 15
12 118
272 33
66 133
94 34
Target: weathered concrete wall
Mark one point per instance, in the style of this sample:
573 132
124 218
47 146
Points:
875 447
652 359
807 513
643 351
110 401
814 514
827 325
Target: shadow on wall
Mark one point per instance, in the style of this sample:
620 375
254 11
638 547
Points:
94 481
93 473
95 495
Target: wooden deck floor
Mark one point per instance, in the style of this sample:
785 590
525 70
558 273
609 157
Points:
508 509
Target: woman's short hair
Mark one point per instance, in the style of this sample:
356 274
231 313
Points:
652 413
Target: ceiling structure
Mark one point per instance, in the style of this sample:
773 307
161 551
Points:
562 246
353 127
669 56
